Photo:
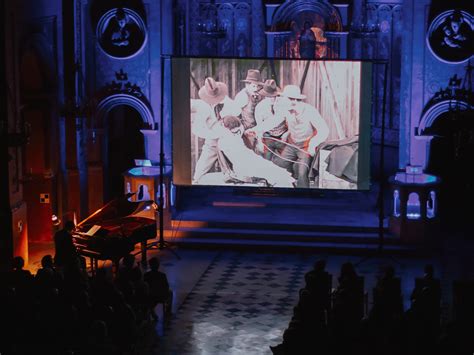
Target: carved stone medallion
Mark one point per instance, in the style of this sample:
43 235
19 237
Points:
121 33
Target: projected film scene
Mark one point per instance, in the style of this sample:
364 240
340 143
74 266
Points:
280 123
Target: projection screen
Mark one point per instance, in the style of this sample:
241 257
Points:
271 123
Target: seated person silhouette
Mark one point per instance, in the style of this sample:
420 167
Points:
319 283
66 254
427 293
21 280
47 276
124 279
387 296
159 288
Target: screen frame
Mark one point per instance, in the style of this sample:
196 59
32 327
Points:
184 170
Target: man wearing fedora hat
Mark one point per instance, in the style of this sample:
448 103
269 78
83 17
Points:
306 131
248 98
205 122
270 120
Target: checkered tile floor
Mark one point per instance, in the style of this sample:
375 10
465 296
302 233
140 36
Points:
241 302
240 305
230 303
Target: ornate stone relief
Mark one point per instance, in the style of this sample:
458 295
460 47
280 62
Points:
121 33
450 36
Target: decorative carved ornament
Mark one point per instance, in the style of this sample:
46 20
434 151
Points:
122 92
121 33
455 97
450 36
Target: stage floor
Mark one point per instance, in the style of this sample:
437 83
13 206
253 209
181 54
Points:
331 220
333 208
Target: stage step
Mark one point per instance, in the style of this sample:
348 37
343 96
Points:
281 235
239 235
332 220
294 246
276 226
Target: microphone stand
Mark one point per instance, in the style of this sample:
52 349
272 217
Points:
381 198
162 244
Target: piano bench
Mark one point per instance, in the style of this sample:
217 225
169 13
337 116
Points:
94 258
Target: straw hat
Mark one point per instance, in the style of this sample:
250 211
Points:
253 76
270 89
213 91
293 92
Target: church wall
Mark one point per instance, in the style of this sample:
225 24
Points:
62 149
422 76
33 39
141 70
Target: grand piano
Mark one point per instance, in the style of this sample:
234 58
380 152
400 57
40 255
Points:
112 231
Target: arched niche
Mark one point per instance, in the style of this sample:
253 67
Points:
436 121
121 119
447 128
433 112
413 206
301 28
37 71
396 203
308 10
431 205
109 102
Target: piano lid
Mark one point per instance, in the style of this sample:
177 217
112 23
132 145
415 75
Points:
115 210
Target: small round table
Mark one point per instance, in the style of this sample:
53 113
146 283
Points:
414 217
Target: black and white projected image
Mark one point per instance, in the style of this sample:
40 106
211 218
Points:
292 124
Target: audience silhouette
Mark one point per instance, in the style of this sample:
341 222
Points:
65 311
387 329
160 291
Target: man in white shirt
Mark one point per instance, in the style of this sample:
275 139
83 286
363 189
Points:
248 98
206 115
271 123
306 131
245 162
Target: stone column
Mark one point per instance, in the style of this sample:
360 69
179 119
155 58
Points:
358 18
412 81
258 29
6 236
